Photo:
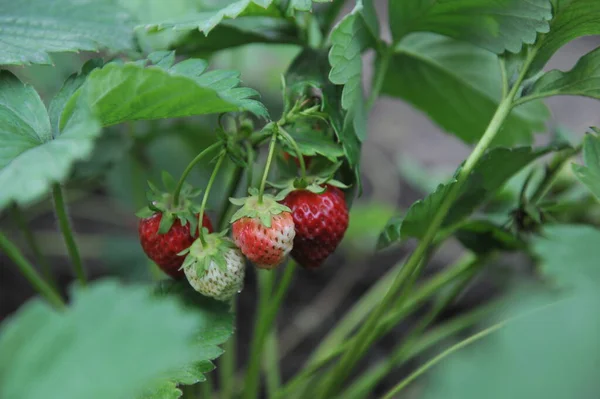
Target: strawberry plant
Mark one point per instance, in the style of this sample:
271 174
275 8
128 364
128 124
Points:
174 180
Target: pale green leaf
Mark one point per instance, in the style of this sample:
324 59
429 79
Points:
30 29
582 80
112 342
547 349
126 92
496 167
569 254
572 19
33 156
496 25
590 173
459 86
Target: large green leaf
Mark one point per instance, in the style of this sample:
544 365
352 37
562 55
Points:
112 342
496 25
495 168
569 254
572 19
547 350
458 85
484 236
582 80
590 173
30 29
356 31
132 91
34 153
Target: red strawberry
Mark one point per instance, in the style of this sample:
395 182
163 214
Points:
164 249
321 221
264 231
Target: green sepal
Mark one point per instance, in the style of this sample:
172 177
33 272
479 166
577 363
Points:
237 201
263 211
193 220
145 212
165 223
168 181
265 219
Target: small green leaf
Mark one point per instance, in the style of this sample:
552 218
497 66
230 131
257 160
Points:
313 142
431 72
496 25
582 80
112 342
162 59
483 236
30 29
572 19
590 173
495 168
197 93
32 158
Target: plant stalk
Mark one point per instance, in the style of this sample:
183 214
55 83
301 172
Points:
262 329
380 72
263 182
67 232
211 180
189 168
27 269
365 336
299 155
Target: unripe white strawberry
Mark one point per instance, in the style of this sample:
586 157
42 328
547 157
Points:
215 269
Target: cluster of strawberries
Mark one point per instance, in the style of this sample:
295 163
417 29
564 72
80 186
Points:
306 223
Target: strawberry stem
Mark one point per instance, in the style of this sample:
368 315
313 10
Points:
267 165
206 192
189 168
293 143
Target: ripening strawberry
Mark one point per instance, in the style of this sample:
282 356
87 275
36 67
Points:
164 249
264 232
320 220
215 268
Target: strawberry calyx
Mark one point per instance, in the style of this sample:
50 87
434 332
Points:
252 207
315 184
200 255
162 201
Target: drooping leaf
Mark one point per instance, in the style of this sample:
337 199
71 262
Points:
590 173
313 141
483 236
356 31
127 92
572 19
458 85
582 80
569 254
529 350
496 25
30 29
34 153
496 167
112 342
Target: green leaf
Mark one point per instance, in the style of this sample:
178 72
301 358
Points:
357 31
582 80
312 142
569 254
33 156
112 342
590 173
496 25
547 349
30 29
183 89
483 236
495 168
572 19
207 20
458 85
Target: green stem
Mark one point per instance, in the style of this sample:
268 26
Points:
293 143
227 363
189 168
263 182
207 192
206 388
33 244
271 363
263 327
30 273
236 175
379 77
67 232
365 336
